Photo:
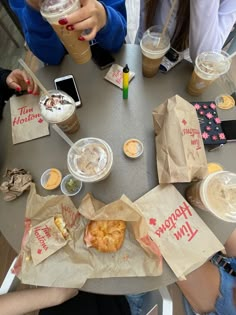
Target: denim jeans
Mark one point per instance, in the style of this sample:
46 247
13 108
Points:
136 303
224 304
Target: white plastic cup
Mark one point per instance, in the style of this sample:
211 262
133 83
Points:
60 110
209 66
154 45
90 160
216 194
53 11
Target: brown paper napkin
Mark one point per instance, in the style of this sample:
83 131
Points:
17 181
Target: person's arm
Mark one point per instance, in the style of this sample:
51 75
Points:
112 35
24 301
202 286
39 35
210 24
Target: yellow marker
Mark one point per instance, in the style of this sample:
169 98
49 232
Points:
125 82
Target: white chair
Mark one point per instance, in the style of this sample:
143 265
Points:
10 281
161 298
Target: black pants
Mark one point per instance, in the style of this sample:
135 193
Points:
91 304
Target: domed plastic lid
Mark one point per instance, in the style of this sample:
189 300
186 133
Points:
90 159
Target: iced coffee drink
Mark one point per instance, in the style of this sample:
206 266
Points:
154 45
90 160
53 11
208 67
216 194
59 109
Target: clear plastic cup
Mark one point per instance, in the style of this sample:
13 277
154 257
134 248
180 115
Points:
154 45
90 160
53 11
209 66
216 194
60 109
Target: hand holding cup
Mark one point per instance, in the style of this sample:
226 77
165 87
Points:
91 16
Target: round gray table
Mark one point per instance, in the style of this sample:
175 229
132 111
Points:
106 115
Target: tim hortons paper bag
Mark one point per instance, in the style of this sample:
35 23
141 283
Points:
184 239
74 263
180 152
26 120
47 237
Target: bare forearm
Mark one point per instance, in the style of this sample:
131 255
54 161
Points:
24 301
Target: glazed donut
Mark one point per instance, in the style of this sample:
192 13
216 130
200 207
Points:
105 236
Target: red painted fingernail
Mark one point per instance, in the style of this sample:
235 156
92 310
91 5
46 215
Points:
18 89
30 92
63 21
81 38
28 81
70 27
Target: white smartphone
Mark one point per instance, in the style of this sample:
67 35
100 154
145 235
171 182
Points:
68 85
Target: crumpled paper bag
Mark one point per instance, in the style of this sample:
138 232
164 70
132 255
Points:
17 181
180 151
73 264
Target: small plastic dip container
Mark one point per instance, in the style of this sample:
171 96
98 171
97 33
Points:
133 148
70 186
51 179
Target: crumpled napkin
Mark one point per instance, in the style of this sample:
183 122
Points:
17 181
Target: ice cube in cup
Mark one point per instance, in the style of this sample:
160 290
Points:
90 160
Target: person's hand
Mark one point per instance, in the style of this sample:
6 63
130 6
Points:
91 16
18 80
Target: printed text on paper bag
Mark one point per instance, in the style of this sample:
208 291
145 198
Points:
182 212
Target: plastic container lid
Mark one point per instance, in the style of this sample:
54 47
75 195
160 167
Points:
51 178
70 186
90 160
133 148
225 101
218 194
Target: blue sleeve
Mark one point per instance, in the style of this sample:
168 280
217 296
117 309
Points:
39 35
44 43
112 35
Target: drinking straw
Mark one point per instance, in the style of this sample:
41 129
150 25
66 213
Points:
168 18
232 55
62 134
33 76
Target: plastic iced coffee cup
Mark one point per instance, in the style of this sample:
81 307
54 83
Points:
90 160
60 109
208 67
216 194
154 45
53 11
